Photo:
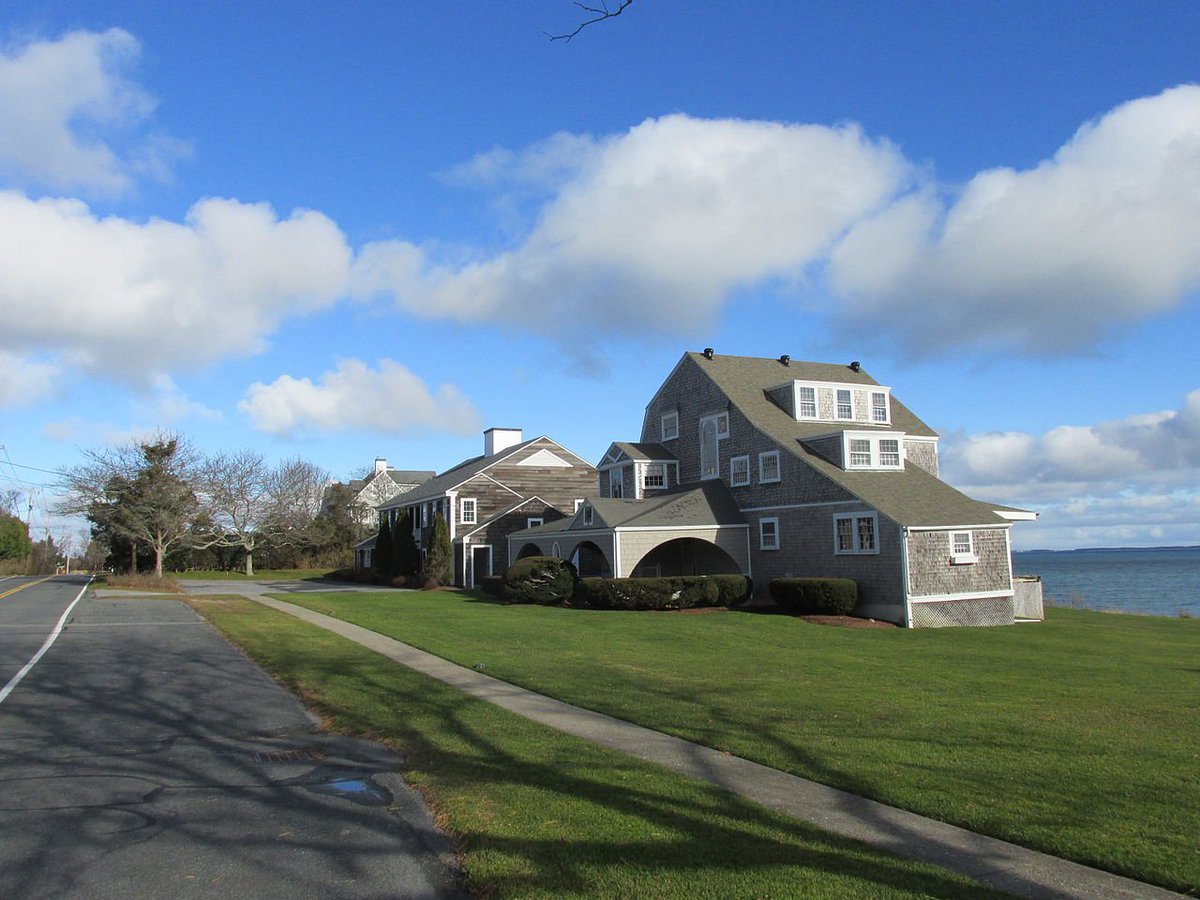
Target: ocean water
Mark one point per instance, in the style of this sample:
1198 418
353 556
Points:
1160 582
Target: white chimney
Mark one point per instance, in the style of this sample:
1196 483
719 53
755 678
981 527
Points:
380 465
497 439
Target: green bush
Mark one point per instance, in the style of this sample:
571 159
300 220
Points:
732 590
539 579
815 596
492 584
682 592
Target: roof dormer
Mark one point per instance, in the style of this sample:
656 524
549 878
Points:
824 401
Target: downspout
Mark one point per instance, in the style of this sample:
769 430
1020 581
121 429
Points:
908 619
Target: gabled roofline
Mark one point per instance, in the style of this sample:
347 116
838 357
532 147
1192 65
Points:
511 509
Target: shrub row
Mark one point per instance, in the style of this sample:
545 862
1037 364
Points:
815 596
548 580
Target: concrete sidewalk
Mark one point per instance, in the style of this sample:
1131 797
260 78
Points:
991 862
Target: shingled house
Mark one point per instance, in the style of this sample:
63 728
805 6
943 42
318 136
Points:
514 484
774 468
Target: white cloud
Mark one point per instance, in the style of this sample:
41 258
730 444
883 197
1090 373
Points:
131 300
654 228
26 381
390 399
1049 258
56 95
168 405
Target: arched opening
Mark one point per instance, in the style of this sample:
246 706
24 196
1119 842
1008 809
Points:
589 561
686 556
529 550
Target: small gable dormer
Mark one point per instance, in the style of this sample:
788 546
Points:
632 471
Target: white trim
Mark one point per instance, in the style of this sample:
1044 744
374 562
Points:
534 521
463 501
904 571
1016 515
962 558
486 522
641 528
662 425
992 526
873 439
974 595
475 576
616 551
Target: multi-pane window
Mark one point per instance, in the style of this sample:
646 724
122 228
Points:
808 402
962 547
768 467
889 453
467 510
670 426
723 425
845 405
860 452
855 533
710 436
587 515
768 534
879 409
656 476
616 483
739 471
534 521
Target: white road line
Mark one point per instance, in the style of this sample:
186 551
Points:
50 639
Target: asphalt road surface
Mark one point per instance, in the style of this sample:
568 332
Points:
143 756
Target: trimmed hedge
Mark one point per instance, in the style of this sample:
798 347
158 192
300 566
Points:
815 596
492 584
681 592
539 579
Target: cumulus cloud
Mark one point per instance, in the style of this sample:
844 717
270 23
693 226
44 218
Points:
133 300
390 399
25 380
56 96
1159 448
654 228
1044 259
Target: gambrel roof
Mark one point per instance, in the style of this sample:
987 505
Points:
910 497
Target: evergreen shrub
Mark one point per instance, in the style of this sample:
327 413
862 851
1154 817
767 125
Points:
492 584
679 592
539 579
815 596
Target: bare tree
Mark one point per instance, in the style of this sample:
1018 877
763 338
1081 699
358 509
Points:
247 502
598 14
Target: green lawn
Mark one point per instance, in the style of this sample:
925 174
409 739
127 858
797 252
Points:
536 813
1079 736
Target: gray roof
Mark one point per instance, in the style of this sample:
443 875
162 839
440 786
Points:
644 452
708 503
911 497
464 471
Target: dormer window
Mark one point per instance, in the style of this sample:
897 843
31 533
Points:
655 477
845 404
587 514
806 402
879 408
863 450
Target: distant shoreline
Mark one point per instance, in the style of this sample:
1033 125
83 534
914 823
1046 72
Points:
1110 549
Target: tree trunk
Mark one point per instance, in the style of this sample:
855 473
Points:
249 563
133 558
158 559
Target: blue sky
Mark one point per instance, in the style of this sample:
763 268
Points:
342 231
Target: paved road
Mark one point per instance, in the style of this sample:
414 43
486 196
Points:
143 756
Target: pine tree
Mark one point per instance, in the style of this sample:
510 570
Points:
382 559
441 554
406 557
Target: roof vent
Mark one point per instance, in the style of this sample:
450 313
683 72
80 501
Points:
708 352
785 359
855 366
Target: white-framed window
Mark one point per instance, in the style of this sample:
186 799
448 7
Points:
855 533
768 533
867 451
806 402
534 521
655 476
723 425
578 504
845 404
962 548
768 467
670 426
889 453
739 471
468 509
879 407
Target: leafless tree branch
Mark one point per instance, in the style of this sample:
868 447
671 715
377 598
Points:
598 13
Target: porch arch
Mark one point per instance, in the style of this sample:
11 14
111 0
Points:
687 556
